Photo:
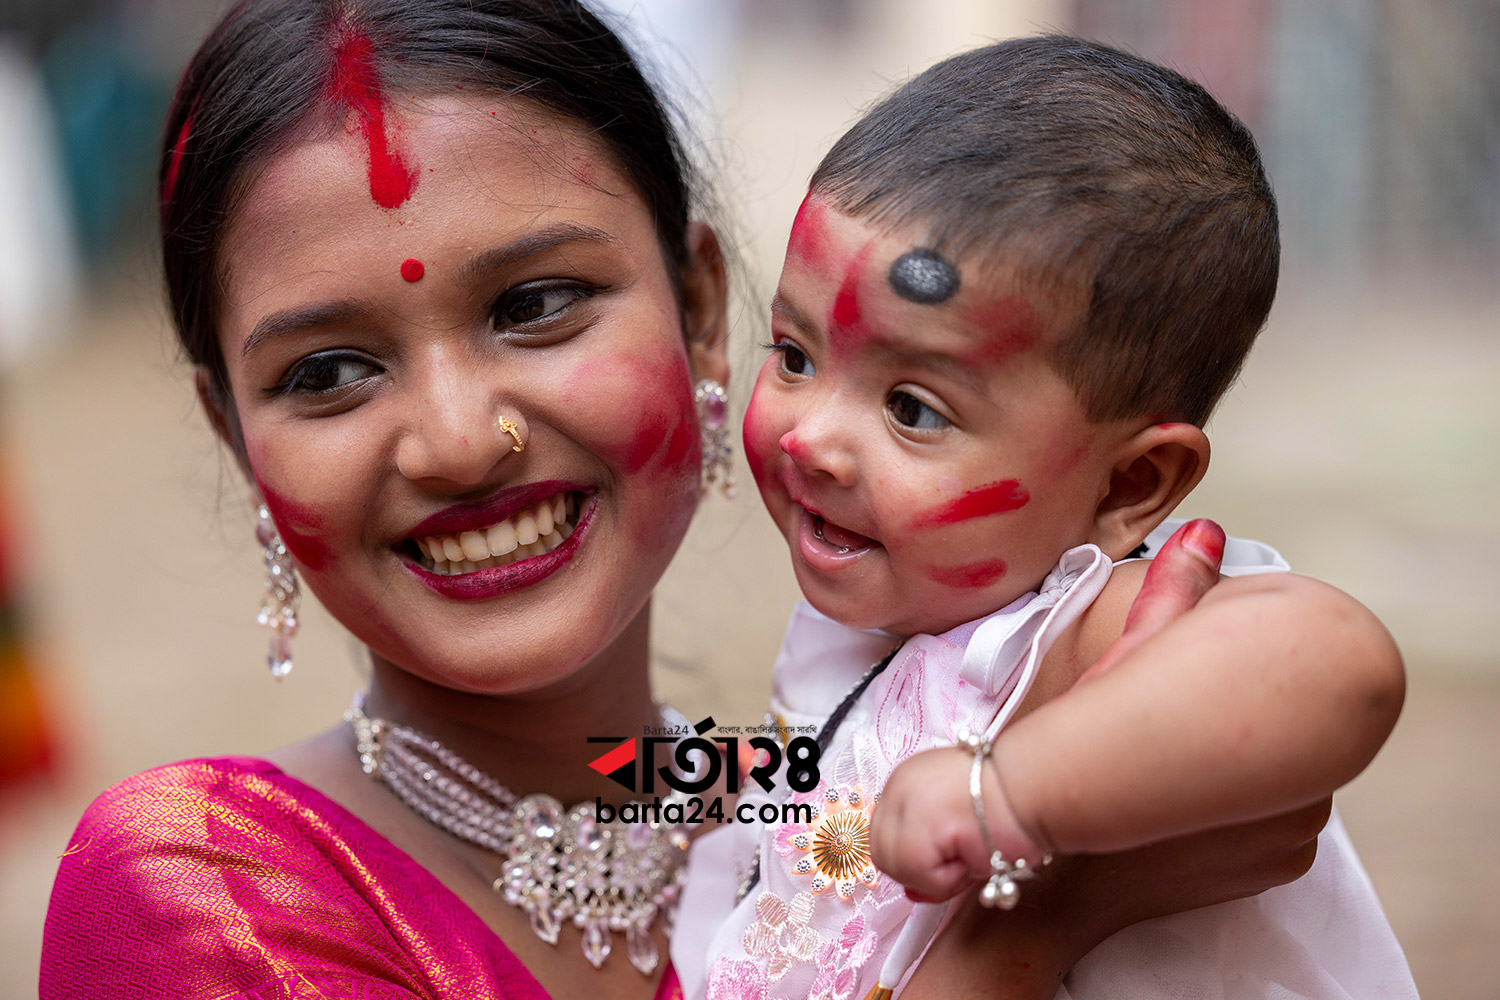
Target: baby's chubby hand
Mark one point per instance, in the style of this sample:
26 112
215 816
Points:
924 832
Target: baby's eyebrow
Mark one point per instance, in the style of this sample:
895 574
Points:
780 307
947 365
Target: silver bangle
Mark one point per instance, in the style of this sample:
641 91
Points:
1001 891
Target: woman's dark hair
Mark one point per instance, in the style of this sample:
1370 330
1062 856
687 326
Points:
269 67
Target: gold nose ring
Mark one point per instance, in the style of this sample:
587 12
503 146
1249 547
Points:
509 426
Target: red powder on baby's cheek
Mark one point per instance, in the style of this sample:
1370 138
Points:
752 435
353 85
412 269
295 523
969 575
1005 326
986 501
809 239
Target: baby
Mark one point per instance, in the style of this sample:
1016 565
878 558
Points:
1012 298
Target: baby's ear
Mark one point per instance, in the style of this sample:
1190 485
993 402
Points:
219 409
1156 468
705 307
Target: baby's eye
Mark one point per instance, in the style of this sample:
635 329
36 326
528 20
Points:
793 360
909 411
533 302
326 372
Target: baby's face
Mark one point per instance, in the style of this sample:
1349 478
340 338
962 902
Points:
925 463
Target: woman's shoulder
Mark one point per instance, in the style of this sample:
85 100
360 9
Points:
213 874
178 798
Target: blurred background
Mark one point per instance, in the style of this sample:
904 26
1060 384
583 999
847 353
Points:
1363 439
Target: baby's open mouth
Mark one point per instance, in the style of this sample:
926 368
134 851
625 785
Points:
839 538
536 530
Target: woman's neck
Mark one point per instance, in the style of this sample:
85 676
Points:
533 741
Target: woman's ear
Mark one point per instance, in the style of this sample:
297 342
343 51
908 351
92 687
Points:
705 290
1156 468
221 415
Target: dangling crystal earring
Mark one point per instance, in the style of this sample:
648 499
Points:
718 459
278 611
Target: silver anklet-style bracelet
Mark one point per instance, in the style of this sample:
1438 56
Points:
1001 891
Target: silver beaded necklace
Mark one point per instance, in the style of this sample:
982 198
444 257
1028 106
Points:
560 864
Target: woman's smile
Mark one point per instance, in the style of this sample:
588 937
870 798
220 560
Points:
440 449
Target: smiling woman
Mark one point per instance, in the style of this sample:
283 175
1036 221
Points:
451 335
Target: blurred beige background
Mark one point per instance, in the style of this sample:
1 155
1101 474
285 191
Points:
1363 440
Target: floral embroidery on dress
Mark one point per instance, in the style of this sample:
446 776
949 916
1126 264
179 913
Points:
840 961
736 979
835 847
780 933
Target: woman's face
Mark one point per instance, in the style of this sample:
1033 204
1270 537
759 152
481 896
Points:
372 351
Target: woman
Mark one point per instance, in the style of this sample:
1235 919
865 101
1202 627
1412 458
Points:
434 265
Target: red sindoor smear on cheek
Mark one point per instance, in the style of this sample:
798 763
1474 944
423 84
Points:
292 521
354 86
751 437
969 575
986 501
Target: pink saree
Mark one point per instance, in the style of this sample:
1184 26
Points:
226 879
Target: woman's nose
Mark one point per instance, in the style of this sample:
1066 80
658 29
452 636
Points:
461 439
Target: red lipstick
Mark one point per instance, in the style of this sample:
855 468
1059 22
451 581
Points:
481 514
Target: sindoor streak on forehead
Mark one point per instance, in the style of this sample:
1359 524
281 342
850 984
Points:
923 276
354 87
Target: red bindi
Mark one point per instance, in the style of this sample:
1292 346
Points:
985 501
412 269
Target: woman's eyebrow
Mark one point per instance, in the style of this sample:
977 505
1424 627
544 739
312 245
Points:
533 243
288 320
330 313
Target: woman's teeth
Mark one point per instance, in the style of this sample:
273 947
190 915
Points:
529 533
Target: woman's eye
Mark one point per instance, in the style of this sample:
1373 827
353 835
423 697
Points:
528 304
909 411
793 360
326 372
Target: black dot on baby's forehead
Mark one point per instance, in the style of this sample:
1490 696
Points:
923 276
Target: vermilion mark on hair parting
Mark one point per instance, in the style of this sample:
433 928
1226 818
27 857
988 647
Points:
985 501
354 86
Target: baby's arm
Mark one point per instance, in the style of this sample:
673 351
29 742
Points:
1271 693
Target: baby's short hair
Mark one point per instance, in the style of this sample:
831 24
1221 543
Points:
1123 185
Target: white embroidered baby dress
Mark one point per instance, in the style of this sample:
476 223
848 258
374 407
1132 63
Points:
821 920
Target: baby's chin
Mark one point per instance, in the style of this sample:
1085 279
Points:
914 618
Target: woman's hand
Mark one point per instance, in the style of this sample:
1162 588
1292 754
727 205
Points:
1078 902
